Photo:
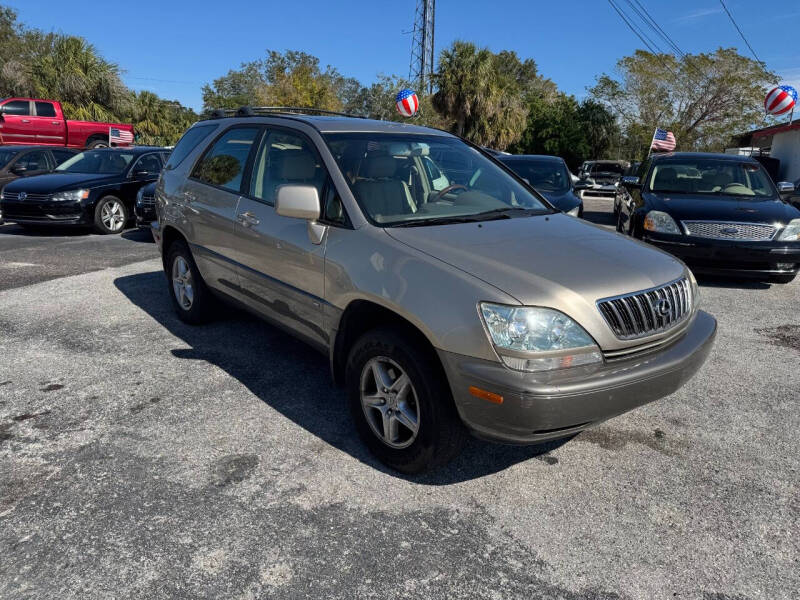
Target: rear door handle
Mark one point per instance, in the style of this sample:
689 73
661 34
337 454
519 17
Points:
25 121
248 219
55 122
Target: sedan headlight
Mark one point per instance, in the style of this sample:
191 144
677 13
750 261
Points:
538 339
70 196
790 233
660 222
575 211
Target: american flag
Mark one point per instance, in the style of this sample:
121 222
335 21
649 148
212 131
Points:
119 136
663 140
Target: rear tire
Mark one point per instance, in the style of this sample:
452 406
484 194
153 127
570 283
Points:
110 215
422 399
98 143
193 301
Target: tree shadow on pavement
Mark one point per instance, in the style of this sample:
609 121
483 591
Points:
294 379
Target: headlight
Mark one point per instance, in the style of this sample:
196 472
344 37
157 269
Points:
660 222
538 339
790 233
575 211
70 196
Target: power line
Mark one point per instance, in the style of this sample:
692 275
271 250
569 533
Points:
730 16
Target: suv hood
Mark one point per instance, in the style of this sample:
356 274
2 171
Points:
554 260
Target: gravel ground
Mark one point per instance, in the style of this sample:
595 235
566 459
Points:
142 458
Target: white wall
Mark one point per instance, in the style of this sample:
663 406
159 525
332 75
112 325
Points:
786 148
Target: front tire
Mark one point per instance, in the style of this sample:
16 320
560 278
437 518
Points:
110 215
191 298
401 403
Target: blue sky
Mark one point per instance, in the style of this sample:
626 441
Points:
173 47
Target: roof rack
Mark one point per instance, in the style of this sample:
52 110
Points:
256 111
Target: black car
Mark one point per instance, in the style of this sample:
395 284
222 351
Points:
622 194
145 206
26 161
549 176
96 188
719 213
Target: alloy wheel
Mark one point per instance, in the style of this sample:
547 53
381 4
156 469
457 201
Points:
390 403
113 215
182 283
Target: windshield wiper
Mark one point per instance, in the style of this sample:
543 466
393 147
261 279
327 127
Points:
489 215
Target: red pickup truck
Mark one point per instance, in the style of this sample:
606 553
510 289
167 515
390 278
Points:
42 122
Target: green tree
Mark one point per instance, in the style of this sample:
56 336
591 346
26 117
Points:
158 121
553 127
291 78
703 99
482 93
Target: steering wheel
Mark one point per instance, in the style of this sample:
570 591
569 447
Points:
450 188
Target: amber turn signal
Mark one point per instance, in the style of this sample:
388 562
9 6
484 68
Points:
484 395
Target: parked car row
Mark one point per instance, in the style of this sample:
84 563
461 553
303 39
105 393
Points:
96 188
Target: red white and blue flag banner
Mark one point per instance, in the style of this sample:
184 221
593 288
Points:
663 140
119 136
780 100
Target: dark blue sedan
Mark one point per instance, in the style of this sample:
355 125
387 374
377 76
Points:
549 176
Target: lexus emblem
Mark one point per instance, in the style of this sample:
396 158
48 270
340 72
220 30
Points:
663 307
22 196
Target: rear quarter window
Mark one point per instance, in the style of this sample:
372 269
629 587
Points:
187 143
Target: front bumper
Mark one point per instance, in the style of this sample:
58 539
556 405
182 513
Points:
542 406
45 213
145 214
723 257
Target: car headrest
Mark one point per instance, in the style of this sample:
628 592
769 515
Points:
298 166
376 167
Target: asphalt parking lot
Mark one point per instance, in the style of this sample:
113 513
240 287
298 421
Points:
143 458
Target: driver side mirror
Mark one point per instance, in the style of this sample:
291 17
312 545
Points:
19 169
630 181
298 202
141 174
785 188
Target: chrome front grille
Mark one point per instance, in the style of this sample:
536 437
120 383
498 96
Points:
743 232
648 312
15 196
148 201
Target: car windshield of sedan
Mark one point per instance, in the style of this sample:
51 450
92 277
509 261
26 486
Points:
543 175
402 180
6 156
96 162
712 177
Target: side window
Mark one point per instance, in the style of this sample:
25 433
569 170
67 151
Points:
61 155
149 162
45 109
17 107
285 158
223 164
187 143
34 161
332 208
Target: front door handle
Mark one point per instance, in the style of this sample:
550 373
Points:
25 121
248 219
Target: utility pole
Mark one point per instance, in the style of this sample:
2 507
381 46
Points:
420 72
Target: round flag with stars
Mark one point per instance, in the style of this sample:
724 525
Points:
407 102
780 100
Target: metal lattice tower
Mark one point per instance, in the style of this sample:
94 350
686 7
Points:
420 73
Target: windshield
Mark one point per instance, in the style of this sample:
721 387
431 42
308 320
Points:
544 175
608 167
401 180
6 156
111 162
710 176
